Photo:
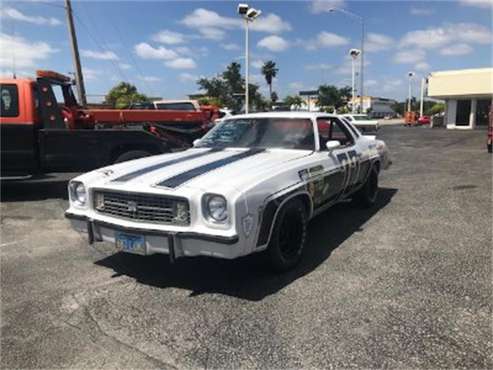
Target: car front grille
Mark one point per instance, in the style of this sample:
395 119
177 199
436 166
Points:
143 207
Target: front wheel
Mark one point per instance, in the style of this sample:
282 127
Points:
367 195
288 237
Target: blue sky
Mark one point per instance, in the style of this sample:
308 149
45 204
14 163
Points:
164 46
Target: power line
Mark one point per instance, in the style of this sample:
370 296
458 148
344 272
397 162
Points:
101 47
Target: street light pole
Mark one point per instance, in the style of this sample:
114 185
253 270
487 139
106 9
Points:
247 63
362 65
410 75
354 54
249 15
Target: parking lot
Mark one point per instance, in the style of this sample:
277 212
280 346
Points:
406 284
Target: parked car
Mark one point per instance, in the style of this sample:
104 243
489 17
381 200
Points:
424 120
250 185
363 122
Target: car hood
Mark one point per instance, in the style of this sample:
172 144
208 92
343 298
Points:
205 169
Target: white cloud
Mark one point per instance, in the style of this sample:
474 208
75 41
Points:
296 85
320 66
421 11
149 78
124 65
230 46
409 56
11 13
212 25
187 77
209 23
257 63
91 74
273 43
391 85
146 51
181 63
101 55
485 4
370 83
169 37
422 66
321 6
27 54
437 37
378 42
326 40
346 67
270 23
456 49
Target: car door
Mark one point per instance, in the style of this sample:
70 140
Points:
346 157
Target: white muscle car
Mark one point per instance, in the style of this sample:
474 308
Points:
250 185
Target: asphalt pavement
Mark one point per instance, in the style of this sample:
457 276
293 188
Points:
407 284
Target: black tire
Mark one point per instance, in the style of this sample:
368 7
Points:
133 154
288 236
367 195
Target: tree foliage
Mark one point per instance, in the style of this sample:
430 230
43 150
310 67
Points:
293 100
123 95
331 98
228 89
269 70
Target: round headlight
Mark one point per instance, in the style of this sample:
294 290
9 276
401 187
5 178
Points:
78 192
217 208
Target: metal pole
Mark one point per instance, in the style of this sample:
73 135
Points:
422 97
409 95
247 62
362 66
353 105
75 55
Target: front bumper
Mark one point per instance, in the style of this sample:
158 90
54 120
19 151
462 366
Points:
176 244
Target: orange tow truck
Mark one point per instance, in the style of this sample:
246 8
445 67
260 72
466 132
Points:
39 134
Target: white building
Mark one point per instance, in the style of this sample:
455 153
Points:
467 94
377 107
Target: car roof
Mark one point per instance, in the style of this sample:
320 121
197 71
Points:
308 115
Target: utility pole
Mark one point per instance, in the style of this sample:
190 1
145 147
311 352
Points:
422 97
79 80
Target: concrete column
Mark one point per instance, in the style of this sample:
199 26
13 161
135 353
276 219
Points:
472 115
451 113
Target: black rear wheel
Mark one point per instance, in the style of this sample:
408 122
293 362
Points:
288 237
367 195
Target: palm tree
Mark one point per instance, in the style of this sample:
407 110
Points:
269 71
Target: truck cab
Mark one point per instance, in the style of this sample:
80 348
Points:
39 134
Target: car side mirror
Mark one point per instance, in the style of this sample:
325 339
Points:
196 142
332 144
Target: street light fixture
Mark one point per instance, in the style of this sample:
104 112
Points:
354 53
410 76
362 49
249 15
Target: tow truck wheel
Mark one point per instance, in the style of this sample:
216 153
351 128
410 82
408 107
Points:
288 236
367 195
133 154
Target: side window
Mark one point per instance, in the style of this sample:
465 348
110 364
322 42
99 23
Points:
9 100
331 128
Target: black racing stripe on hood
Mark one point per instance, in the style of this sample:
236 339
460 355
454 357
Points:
157 166
178 180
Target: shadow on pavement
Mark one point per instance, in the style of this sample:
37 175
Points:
247 277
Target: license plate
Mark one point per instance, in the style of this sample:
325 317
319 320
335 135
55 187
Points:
130 243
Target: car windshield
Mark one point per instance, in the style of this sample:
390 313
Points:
286 133
361 118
